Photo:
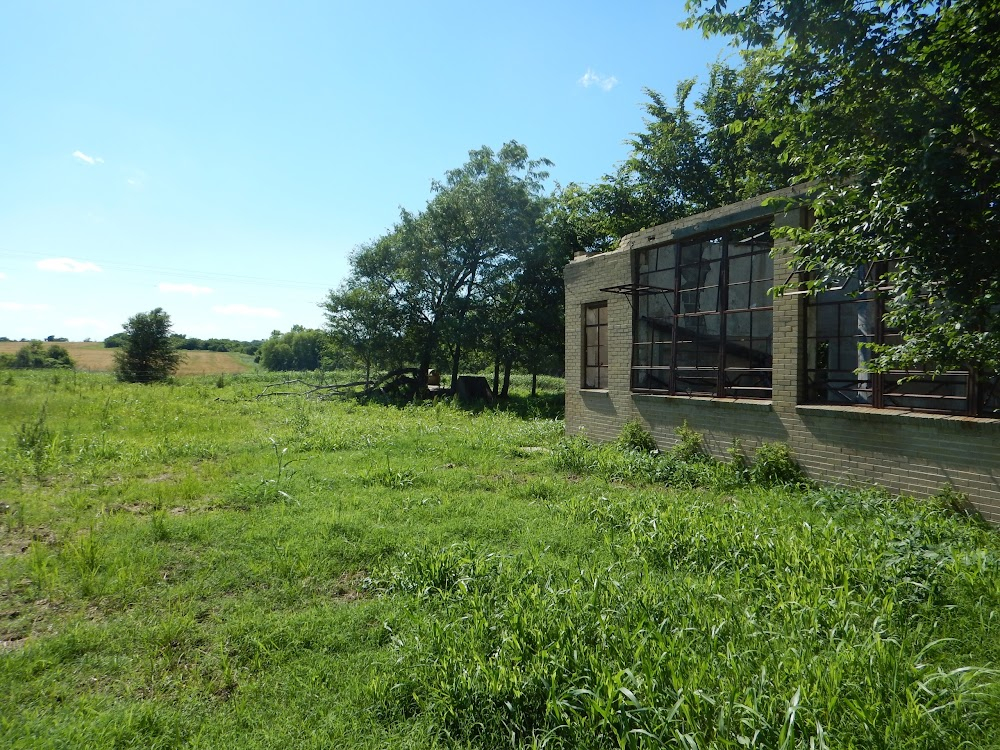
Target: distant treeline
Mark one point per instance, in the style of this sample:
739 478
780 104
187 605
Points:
180 341
36 356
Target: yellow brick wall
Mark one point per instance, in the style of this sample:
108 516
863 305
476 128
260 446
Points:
909 453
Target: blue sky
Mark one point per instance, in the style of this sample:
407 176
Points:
221 159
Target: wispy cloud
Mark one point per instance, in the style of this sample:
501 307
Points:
247 311
604 83
91 160
19 306
184 289
67 265
136 180
2 276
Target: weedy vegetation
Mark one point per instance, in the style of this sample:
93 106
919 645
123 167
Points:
185 566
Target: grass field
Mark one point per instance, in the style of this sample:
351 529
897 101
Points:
186 566
94 357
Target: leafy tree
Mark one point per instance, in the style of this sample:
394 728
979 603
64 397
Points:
148 354
299 349
115 340
363 319
688 159
893 109
35 355
436 268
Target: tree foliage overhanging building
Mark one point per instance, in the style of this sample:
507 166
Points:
893 109
890 109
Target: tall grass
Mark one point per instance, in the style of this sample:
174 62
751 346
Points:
194 567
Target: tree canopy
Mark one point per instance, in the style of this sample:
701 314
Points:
35 355
299 349
689 158
148 354
456 278
893 110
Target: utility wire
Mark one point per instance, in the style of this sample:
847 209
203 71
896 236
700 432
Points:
188 274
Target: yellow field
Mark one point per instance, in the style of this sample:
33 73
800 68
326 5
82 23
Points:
94 357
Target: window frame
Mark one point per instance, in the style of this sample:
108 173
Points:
955 393
716 372
592 343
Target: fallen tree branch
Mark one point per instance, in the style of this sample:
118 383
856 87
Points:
403 379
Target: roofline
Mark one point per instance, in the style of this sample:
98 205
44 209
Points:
742 212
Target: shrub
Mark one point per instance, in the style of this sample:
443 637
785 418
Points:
35 356
690 447
773 465
635 437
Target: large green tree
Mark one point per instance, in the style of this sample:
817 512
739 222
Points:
299 349
893 109
695 154
148 354
437 271
364 320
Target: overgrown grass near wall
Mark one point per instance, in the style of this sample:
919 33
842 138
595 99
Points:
183 565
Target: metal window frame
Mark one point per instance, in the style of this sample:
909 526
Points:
721 371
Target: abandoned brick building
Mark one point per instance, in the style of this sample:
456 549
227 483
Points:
677 324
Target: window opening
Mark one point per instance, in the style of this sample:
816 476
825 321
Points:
842 324
709 329
596 345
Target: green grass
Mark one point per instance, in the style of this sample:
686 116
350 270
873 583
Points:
186 566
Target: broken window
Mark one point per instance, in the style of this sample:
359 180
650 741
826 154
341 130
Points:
704 317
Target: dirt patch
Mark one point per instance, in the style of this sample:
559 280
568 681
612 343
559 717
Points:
352 586
11 643
18 543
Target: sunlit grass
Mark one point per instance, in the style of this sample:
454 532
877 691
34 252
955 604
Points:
185 565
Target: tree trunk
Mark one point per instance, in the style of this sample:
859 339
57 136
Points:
507 365
455 358
496 376
534 384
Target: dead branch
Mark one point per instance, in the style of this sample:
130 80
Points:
400 381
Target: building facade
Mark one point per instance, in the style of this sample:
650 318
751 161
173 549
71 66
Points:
678 325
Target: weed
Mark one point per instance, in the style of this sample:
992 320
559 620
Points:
634 436
85 557
36 441
773 466
158 526
388 477
42 567
690 447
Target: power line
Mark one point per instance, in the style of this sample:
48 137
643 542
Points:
189 274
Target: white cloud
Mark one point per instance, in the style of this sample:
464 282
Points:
91 160
184 289
2 276
67 265
590 78
21 306
247 311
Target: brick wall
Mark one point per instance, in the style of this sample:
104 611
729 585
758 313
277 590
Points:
905 452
